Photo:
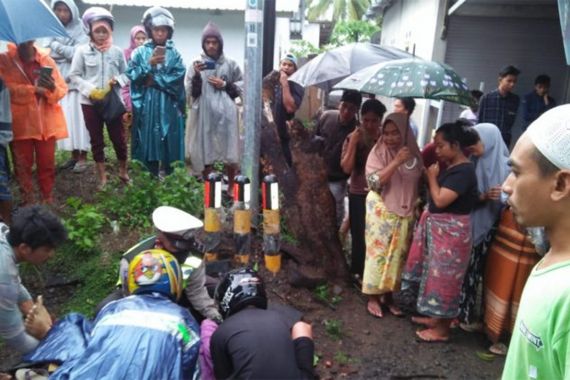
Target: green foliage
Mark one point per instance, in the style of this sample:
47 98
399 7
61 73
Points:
97 281
132 206
323 294
286 235
302 48
341 358
346 32
341 9
333 328
85 226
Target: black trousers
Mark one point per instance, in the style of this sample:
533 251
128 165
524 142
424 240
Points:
357 212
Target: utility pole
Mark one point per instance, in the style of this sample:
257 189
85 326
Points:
268 35
252 98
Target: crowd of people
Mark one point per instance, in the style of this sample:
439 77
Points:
441 230
66 92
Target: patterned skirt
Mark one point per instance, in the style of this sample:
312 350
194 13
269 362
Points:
438 260
511 259
387 238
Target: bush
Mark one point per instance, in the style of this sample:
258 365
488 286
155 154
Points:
85 226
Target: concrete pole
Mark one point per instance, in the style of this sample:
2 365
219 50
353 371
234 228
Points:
252 98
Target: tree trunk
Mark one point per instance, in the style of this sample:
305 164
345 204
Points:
307 205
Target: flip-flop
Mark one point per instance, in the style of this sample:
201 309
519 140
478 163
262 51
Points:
421 338
498 349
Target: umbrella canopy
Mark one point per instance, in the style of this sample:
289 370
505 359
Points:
26 20
330 67
415 77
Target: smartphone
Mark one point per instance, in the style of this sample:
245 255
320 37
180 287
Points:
209 65
159 51
45 72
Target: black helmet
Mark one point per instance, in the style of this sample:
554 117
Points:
240 288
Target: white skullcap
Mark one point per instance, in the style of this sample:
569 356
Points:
174 221
550 133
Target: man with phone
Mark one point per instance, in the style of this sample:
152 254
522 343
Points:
213 134
37 117
156 72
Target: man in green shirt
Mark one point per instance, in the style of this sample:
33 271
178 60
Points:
539 194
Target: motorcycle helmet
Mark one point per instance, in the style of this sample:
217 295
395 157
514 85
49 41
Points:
238 289
158 16
95 14
155 270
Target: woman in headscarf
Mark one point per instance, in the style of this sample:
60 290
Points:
441 246
138 38
99 67
157 73
393 172
62 51
490 156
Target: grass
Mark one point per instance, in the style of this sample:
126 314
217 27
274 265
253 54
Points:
333 328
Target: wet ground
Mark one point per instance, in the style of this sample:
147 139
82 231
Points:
349 342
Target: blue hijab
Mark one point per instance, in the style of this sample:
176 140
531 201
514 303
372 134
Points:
491 170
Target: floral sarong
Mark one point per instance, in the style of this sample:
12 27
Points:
387 241
438 260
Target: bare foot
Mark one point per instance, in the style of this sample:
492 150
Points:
38 321
374 308
395 310
431 336
426 321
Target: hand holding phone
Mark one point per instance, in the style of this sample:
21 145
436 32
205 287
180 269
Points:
158 55
45 80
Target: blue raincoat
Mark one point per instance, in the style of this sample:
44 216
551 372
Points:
137 337
159 109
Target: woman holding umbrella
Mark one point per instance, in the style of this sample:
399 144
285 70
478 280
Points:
393 172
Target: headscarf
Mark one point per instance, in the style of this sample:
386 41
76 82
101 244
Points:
212 30
74 27
491 170
133 44
106 45
401 191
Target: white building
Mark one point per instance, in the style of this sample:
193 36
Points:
477 38
191 17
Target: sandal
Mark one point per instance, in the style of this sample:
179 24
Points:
498 349
427 336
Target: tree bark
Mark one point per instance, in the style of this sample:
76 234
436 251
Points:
307 205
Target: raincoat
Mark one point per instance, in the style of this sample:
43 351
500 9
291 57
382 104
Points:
139 337
213 122
62 50
159 109
32 118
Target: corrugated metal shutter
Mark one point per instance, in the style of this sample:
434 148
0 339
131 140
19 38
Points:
478 47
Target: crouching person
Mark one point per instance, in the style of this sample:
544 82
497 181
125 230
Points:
143 336
253 342
34 234
176 232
